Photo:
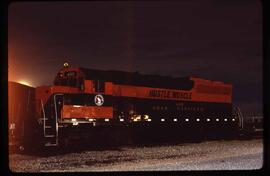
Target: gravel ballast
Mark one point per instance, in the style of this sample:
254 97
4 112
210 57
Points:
144 158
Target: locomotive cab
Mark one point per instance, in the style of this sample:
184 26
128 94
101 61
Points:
70 77
73 97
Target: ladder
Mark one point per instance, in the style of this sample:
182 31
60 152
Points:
50 121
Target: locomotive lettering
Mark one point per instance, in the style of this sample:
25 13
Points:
182 95
169 94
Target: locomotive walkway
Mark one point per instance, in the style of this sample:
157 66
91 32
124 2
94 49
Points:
208 155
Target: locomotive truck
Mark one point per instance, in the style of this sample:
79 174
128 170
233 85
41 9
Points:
88 102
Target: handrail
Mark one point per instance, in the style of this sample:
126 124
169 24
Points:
240 116
44 116
56 117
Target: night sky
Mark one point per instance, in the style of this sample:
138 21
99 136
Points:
214 39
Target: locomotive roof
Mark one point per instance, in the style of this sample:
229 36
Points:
137 79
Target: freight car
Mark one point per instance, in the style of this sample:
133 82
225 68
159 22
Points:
85 98
21 115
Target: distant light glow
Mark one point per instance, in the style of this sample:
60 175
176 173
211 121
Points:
24 82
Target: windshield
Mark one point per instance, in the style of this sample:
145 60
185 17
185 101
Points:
68 78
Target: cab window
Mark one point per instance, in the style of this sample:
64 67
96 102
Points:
67 79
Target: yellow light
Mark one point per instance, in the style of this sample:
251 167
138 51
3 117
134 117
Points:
146 117
66 65
24 82
136 118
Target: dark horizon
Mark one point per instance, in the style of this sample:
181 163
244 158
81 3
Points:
216 40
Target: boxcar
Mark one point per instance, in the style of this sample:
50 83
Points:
21 117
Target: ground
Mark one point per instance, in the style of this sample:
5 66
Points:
207 155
